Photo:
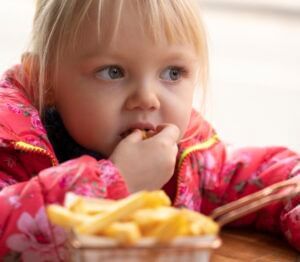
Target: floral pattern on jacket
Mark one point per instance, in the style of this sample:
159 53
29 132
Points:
31 178
35 241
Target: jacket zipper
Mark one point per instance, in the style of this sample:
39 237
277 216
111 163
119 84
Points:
191 150
25 147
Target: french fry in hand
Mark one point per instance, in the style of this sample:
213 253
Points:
144 134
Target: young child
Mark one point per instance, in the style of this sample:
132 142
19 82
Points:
98 75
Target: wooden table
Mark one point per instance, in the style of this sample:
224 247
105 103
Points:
246 245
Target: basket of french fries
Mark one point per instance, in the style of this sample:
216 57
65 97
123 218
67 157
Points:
144 226
141 227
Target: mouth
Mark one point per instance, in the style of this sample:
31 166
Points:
145 128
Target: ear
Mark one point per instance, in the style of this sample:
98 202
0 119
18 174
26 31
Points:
31 66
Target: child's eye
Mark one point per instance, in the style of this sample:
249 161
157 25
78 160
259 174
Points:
172 73
110 73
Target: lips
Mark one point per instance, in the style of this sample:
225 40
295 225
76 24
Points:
141 126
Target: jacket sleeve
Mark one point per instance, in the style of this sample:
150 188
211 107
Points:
235 172
25 232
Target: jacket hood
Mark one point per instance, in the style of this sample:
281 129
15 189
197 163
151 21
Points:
20 120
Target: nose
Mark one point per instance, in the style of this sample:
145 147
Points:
143 97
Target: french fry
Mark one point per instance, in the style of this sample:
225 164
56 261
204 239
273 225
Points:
71 199
92 208
200 224
88 205
148 133
153 215
144 134
126 233
63 217
174 226
123 209
157 198
149 218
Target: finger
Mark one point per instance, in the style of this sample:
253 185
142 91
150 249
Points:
168 130
135 136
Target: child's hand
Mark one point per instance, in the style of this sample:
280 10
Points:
147 164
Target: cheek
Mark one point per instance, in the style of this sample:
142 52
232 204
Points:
181 108
183 120
91 124
90 128
180 116
78 114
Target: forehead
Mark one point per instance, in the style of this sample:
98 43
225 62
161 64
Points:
112 24
107 25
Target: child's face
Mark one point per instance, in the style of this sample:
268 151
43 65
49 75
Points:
106 89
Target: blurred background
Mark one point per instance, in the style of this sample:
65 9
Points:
255 70
254 96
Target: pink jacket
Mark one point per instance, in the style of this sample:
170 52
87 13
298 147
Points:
207 175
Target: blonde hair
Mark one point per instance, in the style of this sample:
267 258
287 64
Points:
57 23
